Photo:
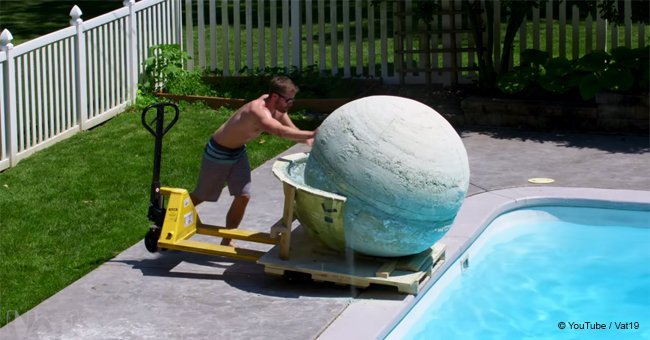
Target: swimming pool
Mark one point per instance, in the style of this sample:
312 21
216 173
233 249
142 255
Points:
543 272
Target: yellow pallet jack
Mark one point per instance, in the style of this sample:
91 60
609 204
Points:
175 219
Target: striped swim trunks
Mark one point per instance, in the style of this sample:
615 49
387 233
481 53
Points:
217 153
223 166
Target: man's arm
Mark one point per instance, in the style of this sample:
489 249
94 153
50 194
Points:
275 127
286 120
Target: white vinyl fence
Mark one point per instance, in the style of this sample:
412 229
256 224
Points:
78 77
358 37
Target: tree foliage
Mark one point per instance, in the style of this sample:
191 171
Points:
513 13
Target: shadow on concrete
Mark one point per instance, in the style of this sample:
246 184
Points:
630 144
245 276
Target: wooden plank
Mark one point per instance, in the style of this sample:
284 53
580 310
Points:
307 256
407 284
287 220
385 269
417 262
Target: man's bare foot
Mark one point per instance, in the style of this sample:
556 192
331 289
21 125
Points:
228 242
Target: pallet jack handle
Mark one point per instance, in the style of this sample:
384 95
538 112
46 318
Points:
157 128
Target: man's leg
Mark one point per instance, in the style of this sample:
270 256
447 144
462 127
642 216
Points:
235 215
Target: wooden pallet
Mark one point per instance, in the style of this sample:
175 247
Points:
312 257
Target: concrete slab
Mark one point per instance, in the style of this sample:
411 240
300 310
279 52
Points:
138 295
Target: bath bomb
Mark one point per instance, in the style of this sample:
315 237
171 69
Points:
402 167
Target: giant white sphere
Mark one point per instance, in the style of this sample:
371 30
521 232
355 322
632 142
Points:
402 167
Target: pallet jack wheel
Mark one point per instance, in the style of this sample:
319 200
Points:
151 239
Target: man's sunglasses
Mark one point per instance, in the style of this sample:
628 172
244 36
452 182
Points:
286 99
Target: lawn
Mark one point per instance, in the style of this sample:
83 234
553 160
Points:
69 208
50 15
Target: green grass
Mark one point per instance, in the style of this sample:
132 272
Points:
75 205
19 17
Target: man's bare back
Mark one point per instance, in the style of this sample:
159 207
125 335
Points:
255 117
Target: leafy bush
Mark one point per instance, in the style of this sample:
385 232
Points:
312 83
624 70
164 64
163 72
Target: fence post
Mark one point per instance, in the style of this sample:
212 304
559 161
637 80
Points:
80 67
132 42
9 109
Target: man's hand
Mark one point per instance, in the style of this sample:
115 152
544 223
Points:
309 141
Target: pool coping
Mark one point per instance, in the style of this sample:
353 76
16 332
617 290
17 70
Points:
371 316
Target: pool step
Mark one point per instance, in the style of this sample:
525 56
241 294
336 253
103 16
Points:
311 257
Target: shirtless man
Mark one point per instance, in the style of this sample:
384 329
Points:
225 160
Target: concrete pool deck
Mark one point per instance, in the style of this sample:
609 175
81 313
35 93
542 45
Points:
175 295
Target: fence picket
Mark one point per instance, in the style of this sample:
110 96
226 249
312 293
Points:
296 39
497 33
334 38
261 34
309 31
383 37
371 39
358 36
284 10
614 32
20 100
213 34
201 28
549 26
575 32
189 33
536 35
346 38
236 30
641 35
601 33
249 34
627 12
273 47
40 103
321 35
562 29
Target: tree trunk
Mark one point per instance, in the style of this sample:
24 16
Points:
515 20
487 74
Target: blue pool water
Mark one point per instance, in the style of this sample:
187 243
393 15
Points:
544 273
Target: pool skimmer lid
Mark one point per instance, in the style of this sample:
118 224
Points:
541 180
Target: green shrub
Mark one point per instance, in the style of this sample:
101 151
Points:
624 70
163 66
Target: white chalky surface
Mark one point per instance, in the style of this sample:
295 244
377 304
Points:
402 167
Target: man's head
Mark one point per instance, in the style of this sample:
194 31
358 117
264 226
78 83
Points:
283 90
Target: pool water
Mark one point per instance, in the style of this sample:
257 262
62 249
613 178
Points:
543 273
